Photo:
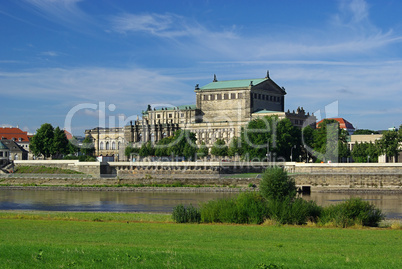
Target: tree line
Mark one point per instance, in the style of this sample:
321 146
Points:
51 142
273 139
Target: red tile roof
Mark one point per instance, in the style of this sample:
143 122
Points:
16 133
343 124
68 135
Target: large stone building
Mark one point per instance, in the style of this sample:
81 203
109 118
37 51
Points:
221 109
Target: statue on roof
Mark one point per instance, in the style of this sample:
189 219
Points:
267 74
215 80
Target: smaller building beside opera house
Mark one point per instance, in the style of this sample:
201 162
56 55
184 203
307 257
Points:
220 110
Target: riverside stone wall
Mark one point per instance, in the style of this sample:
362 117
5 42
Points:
384 175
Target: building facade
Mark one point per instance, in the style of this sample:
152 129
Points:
222 108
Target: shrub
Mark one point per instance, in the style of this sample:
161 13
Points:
247 207
277 185
297 211
351 212
181 214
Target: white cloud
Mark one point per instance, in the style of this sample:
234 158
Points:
50 53
65 12
165 25
122 87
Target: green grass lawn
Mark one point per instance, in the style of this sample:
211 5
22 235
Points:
43 170
125 240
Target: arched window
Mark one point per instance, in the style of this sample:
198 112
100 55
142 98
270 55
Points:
113 145
107 145
118 145
101 145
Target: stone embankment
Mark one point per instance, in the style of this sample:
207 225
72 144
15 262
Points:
382 176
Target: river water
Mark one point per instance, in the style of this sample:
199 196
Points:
128 201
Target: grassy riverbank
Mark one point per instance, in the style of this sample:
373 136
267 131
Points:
44 170
124 240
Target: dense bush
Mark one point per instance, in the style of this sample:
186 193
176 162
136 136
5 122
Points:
277 185
247 207
351 212
182 214
297 211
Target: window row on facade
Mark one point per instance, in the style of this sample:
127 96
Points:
108 145
267 97
222 96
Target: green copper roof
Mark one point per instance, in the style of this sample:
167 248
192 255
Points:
266 111
242 83
184 107
2 146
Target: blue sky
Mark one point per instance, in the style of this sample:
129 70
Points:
71 58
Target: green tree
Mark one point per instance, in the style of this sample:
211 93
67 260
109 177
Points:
189 151
389 144
359 152
42 142
162 148
256 138
287 137
146 150
60 145
276 185
49 142
330 141
307 140
180 139
73 147
235 147
364 132
130 150
219 148
202 150
88 147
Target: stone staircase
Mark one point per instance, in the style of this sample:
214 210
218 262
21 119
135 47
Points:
5 168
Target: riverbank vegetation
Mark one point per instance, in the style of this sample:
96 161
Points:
90 240
276 201
43 170
274 139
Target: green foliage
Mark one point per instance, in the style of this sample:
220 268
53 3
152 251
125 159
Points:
130 150
235 147
182 214
361 151
60 143
162 148
49 141
88 147
364 132
297 211
287 136
42 142
202 150
277 185
181 144
219 148
247 207
389 143
257 138
146 150
273 135
351 212
43 170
